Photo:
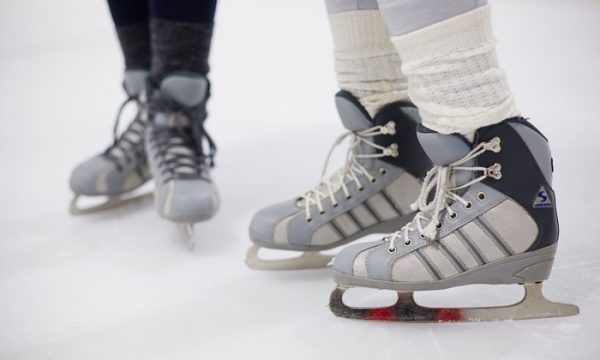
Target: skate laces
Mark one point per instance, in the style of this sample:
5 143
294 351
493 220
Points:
127 147
184 147
438 180
352 168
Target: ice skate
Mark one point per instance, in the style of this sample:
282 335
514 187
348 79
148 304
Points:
487 216
371 193
122 167
180 153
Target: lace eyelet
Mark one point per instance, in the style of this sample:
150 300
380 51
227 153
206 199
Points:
391 251
407 242
322 212
481 196
361 188
422 236
373 180
348 197
452 216
469 205
308 220
438 225
335 205
382 171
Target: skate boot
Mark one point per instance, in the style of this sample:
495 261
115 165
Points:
371 193
487 216
180 152
122 167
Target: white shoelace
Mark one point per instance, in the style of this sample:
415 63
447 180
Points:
352 168
439 177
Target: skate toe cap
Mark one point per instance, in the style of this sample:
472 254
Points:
189 201
344 262
264 223
90 177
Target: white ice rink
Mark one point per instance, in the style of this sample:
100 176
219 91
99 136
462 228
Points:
122 285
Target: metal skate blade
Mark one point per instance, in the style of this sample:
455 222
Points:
308 260
187 234
533 306
111 202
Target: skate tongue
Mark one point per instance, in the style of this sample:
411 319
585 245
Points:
442 149
134 81
187 90
353 114
445 149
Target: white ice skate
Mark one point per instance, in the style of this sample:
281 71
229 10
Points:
487 216
120 169
180 153
371 193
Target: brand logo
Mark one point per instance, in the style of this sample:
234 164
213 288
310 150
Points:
542 199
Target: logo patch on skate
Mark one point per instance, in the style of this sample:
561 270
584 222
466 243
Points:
542 199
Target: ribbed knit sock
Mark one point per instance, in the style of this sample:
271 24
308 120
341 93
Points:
179 46
366 61
135 43
453 74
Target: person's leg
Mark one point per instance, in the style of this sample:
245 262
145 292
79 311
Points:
366 62
180 152
122 167
181 33
448 55
487 210
131 22
373 190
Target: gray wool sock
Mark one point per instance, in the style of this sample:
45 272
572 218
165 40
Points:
179 46
135 42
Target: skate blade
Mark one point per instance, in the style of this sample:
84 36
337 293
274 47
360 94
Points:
308 260
533 306
187 234
111 202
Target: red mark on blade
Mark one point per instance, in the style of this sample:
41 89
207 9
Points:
380 314
448 315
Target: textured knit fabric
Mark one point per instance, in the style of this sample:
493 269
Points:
453 74
179 46
366 62
135 43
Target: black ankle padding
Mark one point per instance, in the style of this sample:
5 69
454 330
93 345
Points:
411 155
521 177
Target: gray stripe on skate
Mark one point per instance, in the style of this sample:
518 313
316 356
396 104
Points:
337 229
492 234
351 215
428 264
476 252
371 211
455 261
390 201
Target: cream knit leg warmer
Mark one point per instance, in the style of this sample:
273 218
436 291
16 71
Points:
453 74
366 61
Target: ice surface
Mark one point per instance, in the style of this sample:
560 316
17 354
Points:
122 285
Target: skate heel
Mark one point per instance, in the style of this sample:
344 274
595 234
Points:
535 268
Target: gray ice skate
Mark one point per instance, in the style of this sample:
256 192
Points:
180 152
371 193
122 167
487 216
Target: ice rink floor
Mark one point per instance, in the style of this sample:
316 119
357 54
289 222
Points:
122 285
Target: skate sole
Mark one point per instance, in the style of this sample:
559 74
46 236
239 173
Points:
528 267
111 202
